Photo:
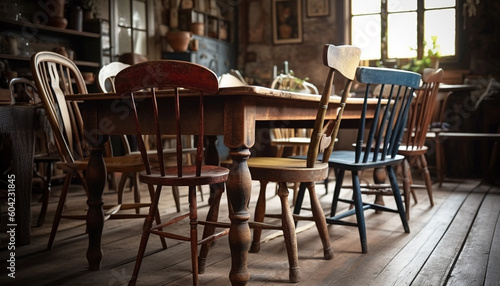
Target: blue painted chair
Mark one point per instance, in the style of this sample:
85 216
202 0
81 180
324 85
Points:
383 134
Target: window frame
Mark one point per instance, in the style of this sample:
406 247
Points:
456 61
149 29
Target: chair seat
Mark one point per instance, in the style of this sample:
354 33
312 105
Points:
411 150
345 160
284 169
127 164
291 141
209 175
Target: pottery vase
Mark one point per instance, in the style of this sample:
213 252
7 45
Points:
179 40
58 19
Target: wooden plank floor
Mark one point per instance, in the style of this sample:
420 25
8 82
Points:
456 242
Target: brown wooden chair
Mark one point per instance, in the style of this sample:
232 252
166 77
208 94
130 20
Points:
341 59
413 146
174 75
24 90
56 76
106 80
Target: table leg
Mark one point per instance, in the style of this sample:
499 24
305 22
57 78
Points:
96 180
239 186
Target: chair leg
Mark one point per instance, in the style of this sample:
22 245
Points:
397 196
208 230
358 206
193 232
134 181
175 193
336 192
289 234
46 193
60 206
157 217
319 219
407 186
148 223
121 187
260 211
422 165
300 199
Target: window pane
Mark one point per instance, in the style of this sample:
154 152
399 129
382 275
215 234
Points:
124 41
124 13
139 15
441 23
140 42
366 36
401 5
365 7
402 35
429 4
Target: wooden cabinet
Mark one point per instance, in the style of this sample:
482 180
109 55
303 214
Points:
20 39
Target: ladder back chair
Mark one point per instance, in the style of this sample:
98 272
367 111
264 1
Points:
24 90
56 76
383 135
413 146
338 59
176 75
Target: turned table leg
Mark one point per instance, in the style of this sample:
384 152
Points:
96 180
239 185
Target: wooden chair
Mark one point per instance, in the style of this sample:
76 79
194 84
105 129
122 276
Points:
341 59
413 146
24 90
106 78
384 136
56 76
172 75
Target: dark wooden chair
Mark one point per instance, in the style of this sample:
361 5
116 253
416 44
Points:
56 76
413 146
341 59
174 75
24 91
383 133
106 79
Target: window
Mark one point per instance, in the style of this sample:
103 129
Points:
131 30
394 29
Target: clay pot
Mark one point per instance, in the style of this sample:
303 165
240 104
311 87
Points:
58 20
179 40
198 28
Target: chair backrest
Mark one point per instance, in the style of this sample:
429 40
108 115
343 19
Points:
345 60
167 74
56 76
389 120
107 73
422 109
23 90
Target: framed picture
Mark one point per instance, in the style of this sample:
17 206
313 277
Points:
317 8
287 21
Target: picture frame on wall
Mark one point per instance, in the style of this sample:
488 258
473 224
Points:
287 21
317 8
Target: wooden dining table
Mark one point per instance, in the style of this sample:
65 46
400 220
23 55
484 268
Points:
234 112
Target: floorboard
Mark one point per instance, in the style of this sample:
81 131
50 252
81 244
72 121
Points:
456 242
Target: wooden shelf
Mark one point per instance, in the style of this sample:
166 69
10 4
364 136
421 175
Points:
31 29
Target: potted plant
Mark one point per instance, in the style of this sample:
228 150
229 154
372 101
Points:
429 60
